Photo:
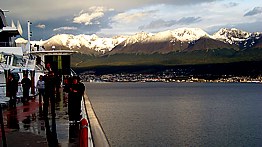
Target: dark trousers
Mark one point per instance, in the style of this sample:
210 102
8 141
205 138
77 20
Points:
12 95
12 101
49 96
25 93
41 93
74 107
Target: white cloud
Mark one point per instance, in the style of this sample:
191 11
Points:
132 17
91 16
64 28
164 17
41 26
158 15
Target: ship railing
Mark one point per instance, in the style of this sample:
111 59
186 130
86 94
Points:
40 66
7 44
19 94
30 64
98 135
2 90
2 65
73 73
37 48
3 98
85 116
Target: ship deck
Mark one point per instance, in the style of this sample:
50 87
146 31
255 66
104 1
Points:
25 125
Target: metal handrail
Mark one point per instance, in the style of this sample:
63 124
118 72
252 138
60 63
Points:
85 116
19 92
7 44
73 72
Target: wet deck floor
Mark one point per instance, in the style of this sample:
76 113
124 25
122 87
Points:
26 122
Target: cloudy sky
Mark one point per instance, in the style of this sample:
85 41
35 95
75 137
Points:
108 18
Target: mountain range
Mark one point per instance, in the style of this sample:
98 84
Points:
179 46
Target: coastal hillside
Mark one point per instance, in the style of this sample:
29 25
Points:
170 59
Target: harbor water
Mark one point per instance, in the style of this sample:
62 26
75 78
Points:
179 114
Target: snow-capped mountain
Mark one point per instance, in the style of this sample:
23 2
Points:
139 37
181 34
188 39
162 42
92 42
182 39
231 35
188 34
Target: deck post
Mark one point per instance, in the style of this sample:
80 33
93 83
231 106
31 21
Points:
7 73
2 127
32 73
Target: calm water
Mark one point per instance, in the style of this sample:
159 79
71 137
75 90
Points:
179 114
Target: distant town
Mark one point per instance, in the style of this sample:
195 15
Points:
87 77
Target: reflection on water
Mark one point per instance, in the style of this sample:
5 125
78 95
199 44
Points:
51 133
12 121
73 133
179 114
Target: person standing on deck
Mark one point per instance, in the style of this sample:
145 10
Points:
76 92
48 67
12 87
49 79
41 87
26 84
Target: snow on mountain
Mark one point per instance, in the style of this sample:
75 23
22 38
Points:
23 41
139 37
189 34
161 36
185 36
232 36
89 41
61 39
181 34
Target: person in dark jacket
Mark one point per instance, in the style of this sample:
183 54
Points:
12 88
66 84
49 95
26 84
76 92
